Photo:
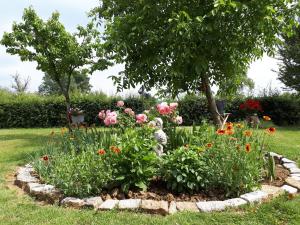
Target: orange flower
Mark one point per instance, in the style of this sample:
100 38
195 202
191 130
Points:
229 127
101 152
229 132
239 125
266 118
115 149
271 130
229 124
248 133
248 148
209 145
221 132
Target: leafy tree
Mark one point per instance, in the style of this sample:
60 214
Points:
80 82
57 52
289 70
20 85
191 45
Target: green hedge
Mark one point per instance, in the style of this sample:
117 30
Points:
35 111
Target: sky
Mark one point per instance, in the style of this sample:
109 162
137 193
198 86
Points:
73 13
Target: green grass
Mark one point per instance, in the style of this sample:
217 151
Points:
16 146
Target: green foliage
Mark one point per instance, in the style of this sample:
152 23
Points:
58 53
289 69
136 163
175 44
79 83
184 170
30 110
214 161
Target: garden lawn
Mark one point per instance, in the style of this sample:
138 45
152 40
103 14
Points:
16 146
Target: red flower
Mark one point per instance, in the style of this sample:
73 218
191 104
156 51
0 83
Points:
45 158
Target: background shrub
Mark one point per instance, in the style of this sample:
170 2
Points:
30 110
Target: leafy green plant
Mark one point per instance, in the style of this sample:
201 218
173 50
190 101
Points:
184 169
132 159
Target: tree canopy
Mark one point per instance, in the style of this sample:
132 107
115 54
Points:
289 70
191 45
57 52
175 43
80 82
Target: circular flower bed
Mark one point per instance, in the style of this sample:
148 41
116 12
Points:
145 161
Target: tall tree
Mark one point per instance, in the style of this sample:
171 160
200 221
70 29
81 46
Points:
289 70
191 45
20 85
57 52
80 82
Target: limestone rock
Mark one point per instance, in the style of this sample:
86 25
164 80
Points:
285 160
292 182
172 208
235 202
289 189
108 205
290 165
76 203
210 206
92 202
130 204
272 191
255 196
187 206
152 206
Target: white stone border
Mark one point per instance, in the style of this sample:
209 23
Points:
52 195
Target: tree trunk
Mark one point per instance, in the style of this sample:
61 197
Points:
68 107
211 102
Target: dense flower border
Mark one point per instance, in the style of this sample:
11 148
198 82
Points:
31 184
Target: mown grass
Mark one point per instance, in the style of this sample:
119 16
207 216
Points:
16 146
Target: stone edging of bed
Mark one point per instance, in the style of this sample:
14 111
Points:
50 194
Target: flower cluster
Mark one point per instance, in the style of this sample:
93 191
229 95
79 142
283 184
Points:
165 109
251 106
108 117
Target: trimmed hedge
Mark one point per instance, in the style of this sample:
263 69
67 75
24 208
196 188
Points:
35 111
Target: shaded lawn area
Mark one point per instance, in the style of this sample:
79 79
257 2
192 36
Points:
16 146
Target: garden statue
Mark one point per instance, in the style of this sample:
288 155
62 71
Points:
160 136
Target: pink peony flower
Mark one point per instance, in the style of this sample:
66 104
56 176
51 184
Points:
101 115
163 108
127 110
120 103
141 118
111 118
173 106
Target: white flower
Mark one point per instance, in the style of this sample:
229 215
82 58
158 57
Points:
158 122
